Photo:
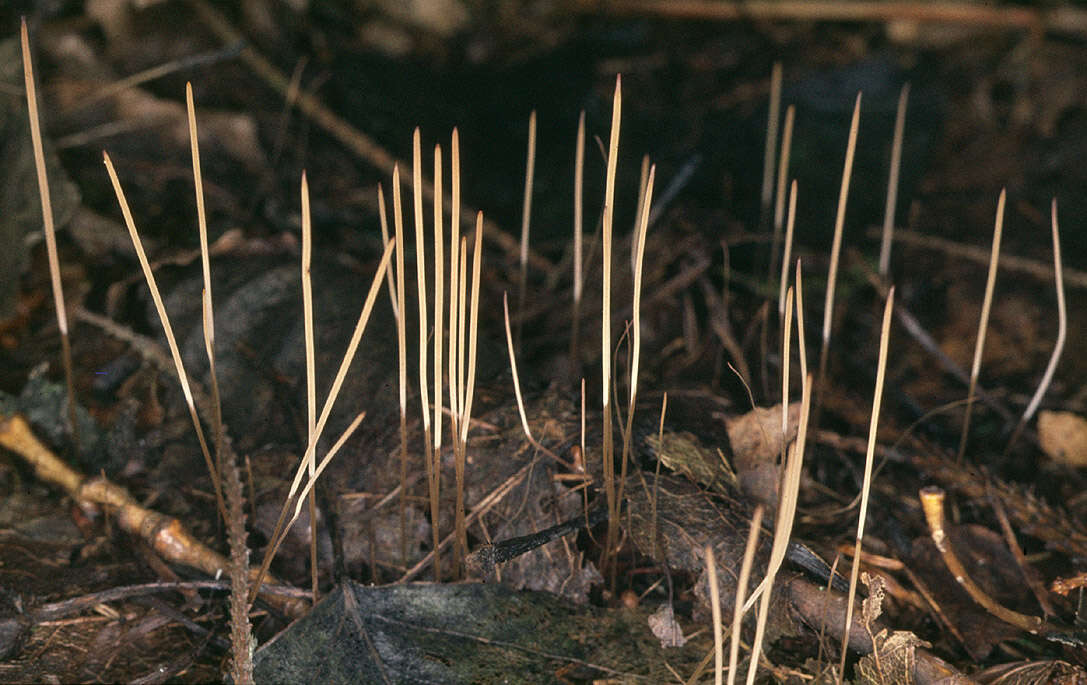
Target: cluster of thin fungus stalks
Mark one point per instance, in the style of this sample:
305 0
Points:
461 317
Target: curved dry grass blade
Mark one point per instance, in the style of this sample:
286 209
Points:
983 325
149 275
1062 331
49 228
869 458
513 368
892 183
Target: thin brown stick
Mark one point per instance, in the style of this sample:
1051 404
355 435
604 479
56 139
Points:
170 538
892 183
869 458
932 501
1022 265
50 230
983 325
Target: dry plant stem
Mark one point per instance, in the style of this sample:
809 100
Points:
456 342
1062 332
326 408
420 273
1029 574
168 330
932 501
786 340
205 263
473 320
579 188
357 142
741 591
782 529
772 124
241 634
783 282
311 372
636 335
166 535
892 183
715 608
605 330
50 230
456 335
801 341
402 363
383 218
439 342
983 326
869 458
526 217
779 198
643 178
836 249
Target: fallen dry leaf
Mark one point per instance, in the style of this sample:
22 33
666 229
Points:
1063 436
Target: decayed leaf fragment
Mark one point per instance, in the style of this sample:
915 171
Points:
1063 436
